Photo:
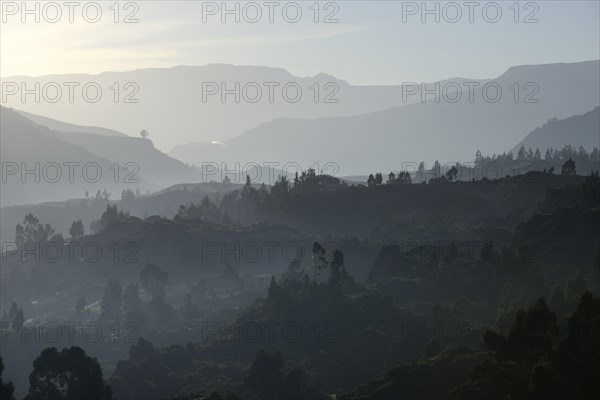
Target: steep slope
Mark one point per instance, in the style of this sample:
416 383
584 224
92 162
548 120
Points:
60 169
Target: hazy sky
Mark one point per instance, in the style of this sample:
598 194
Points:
372 43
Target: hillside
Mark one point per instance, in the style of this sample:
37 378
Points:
137 158
578 130
32 147
60 126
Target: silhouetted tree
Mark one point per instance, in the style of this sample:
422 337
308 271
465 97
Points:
403 177
76 231
110 215
15 317
478 157
391 178
452 173
32 231
127 195
420 174
68 374
578 355
568 168
132 306
6 389
520 366
336 266
522 154
280 190
437 169
274 291
371 180
318 257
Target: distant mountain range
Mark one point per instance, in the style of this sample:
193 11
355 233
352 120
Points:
423 131
169 102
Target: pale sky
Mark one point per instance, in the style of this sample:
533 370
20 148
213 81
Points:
373 43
